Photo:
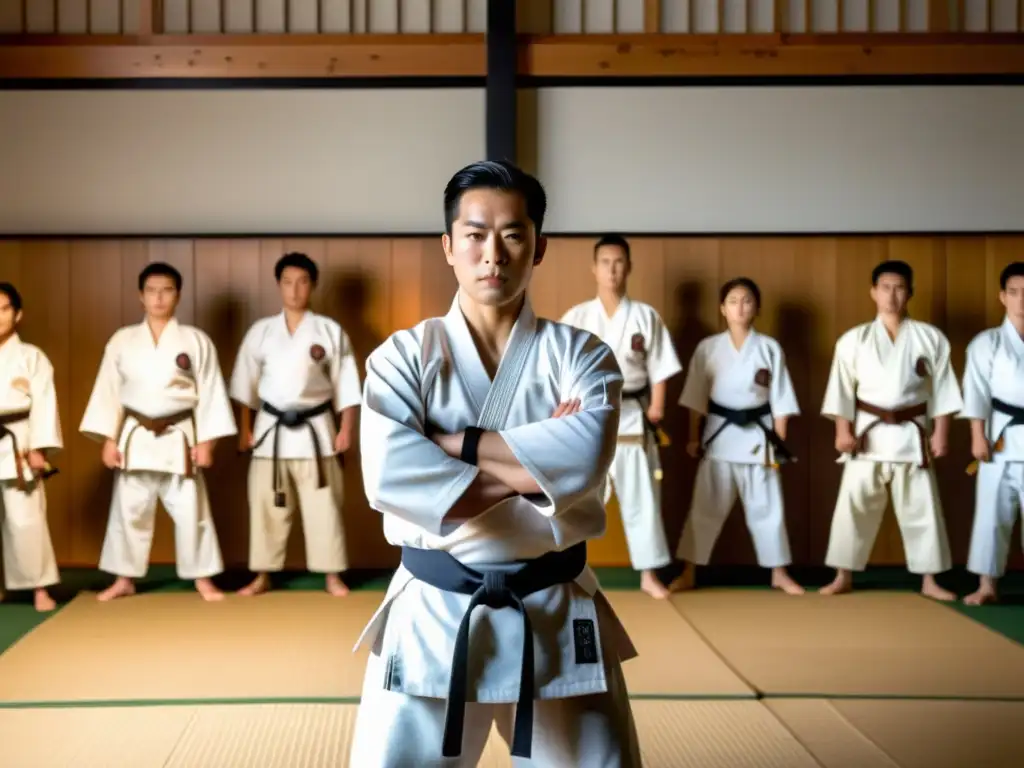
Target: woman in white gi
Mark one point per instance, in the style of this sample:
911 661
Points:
158 406
486 436
891 380
738 383
994 404
29 433
644 351
297 371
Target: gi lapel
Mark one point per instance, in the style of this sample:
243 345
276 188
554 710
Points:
510 370
617 323
491 400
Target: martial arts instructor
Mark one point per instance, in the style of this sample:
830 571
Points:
486 436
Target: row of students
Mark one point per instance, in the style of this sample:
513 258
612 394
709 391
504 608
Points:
890 380
158 405
891 393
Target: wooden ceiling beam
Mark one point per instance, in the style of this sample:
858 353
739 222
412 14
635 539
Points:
242 56
67 57
887 54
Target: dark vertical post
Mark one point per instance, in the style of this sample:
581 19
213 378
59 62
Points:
502 55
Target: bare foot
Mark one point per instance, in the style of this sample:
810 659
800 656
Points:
335 586
930 588
208 590
782 580
122 587
650 584
257 586
686 580
842 583
986 593
43 601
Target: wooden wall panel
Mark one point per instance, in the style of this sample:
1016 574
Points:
77 293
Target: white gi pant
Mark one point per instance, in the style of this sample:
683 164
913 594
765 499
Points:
28 557
997 503
133 517
863 492
638 492
320 509
716 487
396 730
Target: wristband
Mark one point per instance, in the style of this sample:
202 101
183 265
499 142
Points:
470 441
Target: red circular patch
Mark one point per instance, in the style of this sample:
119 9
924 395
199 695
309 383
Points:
637 342
317 352
183 362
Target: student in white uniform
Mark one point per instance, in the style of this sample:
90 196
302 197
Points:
29 433
994 404
485 438
644 351
738 383
158 406
297 371
891 382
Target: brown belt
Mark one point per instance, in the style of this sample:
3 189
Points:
5 420
159 426
899 416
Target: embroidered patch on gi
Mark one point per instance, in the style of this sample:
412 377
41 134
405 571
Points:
317 352
921 367
637 342
22 385
183 362
584 639
763 377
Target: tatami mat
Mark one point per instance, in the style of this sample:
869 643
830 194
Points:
865 733
690 734
282 645
673 660
862 644
175 646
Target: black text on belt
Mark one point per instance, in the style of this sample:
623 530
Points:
293 420
494 589
745 417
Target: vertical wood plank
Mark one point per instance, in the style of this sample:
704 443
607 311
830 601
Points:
652 16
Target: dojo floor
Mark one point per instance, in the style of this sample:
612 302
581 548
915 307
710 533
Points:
727 677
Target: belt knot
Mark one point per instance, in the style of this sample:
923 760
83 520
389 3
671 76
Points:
496 590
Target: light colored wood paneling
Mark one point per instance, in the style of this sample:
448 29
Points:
813 289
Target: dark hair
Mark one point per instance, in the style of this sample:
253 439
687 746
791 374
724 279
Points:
299 261
1014 269
12 295
160 269
895 267
740 282
617 241
504 176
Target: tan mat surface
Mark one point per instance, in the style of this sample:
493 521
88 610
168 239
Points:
283 645
861 644
690 734
942 734
673 660
175 646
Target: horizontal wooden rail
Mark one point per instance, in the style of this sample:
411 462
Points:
242 56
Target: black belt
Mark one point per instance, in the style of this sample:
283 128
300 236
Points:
745 417
1016 414
495 589
291 420
640 395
